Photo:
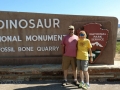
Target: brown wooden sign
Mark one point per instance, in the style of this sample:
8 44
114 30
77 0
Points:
34 38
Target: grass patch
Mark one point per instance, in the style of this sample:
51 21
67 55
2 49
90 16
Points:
118 47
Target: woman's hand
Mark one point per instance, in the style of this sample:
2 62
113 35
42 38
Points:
91 60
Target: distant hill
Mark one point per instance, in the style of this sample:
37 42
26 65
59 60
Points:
118 25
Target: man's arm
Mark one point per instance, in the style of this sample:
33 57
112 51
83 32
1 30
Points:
63 48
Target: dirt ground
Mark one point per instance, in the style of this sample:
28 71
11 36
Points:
117 57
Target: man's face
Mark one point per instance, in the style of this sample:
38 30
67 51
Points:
71 31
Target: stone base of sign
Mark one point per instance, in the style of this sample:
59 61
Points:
32 60
54 71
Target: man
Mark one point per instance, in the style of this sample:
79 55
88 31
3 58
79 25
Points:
69 47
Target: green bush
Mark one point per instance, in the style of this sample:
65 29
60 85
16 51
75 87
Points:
118 47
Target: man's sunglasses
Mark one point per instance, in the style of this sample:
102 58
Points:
70 29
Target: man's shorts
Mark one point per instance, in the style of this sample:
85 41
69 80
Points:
67 61
82 65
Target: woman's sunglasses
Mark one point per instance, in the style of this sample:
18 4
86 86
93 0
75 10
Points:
82 34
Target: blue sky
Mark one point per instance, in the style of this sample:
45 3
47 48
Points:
74 7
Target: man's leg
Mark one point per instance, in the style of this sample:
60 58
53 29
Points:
75 74
65 66
74 69
75 78
65 77
65 74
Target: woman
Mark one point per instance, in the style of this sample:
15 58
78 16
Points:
84 46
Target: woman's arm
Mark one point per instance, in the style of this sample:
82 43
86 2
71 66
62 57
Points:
91 57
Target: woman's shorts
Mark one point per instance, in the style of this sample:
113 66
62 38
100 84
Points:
82 65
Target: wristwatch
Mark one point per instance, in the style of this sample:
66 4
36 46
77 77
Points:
91 56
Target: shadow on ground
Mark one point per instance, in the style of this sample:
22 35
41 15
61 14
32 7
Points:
56 85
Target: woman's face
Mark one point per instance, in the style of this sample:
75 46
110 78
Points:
81 35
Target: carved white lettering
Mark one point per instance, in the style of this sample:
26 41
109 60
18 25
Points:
44 37
9 38
23 23
48 48
7 49
22 49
